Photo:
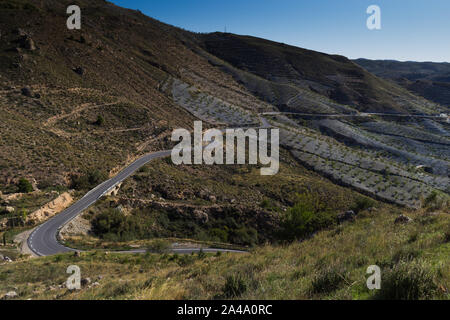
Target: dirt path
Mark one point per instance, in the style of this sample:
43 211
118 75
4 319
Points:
77 110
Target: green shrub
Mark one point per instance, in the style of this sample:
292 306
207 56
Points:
362 203
436 201
235 286
158 246
307 216
88 180
24 186
112 225
412 280
244 236
201 254
327 281
100 121
217 234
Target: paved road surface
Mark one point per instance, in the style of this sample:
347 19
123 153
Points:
362 114
42 241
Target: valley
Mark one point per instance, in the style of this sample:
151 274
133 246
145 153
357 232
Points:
85 139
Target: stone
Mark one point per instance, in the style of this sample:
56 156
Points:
85 281
27 92
79 70
10 295
402 219
346 216
77 254
7 259
201 216
10 209
27 43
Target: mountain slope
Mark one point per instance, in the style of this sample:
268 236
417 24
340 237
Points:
77 101
334 77
427 79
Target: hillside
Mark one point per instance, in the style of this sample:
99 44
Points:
332 265
94 99
289 70
357 151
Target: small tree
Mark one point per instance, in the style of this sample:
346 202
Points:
307 216
100 121
24 186
22 215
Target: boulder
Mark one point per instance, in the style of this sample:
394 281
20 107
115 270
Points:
79 70
27 92
3 223
10 209
85 282
201 216
402 219
346 216
7 259
10 295
27 43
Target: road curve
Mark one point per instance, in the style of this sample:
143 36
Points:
43 240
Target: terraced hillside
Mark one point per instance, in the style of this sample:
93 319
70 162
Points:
78 101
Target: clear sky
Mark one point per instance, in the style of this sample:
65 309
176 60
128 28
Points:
411 30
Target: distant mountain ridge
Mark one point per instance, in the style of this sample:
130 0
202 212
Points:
430 80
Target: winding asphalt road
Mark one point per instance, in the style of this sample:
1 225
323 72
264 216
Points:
43 240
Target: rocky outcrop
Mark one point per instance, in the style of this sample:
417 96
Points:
10 209
76 227
10 295
50 209
27 92
26 42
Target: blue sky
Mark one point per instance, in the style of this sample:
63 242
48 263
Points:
412 30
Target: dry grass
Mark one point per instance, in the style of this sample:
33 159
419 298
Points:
331 265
